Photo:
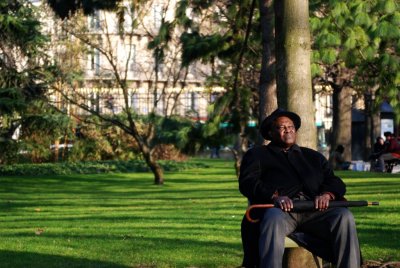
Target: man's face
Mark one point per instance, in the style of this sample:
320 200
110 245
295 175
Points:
283 132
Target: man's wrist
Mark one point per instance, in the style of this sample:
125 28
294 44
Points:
274 196
330 194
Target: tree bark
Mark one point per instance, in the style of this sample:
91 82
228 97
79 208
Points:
293 48
341 124
56 150
267 90
155 168
368 118
373 129
146 150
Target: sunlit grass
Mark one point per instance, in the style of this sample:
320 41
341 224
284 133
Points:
379 227
123 220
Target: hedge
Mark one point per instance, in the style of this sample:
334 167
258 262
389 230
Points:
66 168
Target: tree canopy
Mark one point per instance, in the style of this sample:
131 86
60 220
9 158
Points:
362 36
66 8
21 46
25 72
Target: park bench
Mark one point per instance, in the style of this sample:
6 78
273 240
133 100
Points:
389 164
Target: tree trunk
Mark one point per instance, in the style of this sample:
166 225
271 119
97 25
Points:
146 151
368 140
267 91
293 48
56 150
240 148
293 68
66 148
376 125
373 130
153 165
341 124
237 161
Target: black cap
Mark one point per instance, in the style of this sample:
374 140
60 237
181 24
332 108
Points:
268 121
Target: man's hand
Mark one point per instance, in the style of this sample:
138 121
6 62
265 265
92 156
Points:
322 201
284 202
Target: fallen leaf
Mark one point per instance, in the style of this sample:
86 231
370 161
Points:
39 231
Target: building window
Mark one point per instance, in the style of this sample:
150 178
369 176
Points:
129 16
187 101
135 101
94 60
94 21
94 101
132 61
157 12
159 103
329 107
91 59
213 97
160 70
195 101
193 69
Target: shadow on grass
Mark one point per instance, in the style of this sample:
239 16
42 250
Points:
379 237
365 174
166 252
14 259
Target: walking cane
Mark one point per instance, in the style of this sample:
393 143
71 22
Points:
306 205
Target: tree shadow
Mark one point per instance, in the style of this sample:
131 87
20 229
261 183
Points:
14 259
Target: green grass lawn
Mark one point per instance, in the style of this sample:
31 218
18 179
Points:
123 220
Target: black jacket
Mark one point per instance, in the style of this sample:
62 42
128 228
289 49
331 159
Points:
268 170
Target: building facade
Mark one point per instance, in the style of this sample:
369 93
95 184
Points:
119 64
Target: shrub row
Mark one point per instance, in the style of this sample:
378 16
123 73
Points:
95 167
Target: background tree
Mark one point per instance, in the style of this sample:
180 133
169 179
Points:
294 66
267 92
113 73
227 37
25 72
356 50
293 74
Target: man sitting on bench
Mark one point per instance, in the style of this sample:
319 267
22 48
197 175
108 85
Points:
281 172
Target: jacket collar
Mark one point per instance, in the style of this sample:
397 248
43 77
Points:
278 149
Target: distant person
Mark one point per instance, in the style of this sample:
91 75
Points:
391 150
215 152
338 162
379 146
391 144
377 150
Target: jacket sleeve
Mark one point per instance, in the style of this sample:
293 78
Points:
250 183
331 182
